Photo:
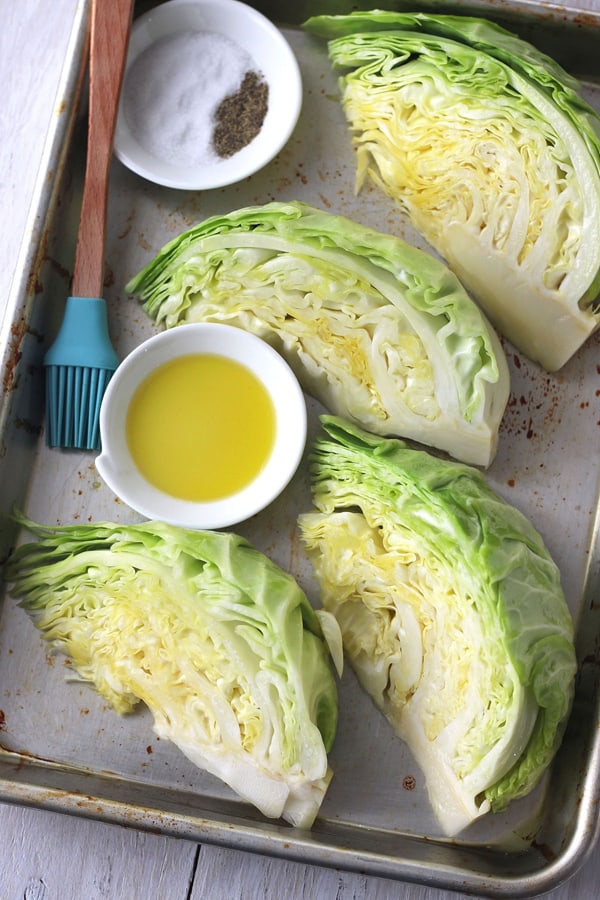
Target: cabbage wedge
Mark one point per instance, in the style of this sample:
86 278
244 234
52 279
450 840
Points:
219 643
451 612
494 155
378 331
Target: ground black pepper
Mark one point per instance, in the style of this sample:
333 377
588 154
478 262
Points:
240 116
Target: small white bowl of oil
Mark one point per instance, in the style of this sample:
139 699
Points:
202 426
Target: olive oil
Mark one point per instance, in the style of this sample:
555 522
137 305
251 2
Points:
201 427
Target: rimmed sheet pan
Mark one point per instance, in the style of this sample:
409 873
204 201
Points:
62 749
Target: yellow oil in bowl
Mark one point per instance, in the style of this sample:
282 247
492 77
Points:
201 427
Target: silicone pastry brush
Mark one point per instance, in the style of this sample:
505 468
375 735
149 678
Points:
81 361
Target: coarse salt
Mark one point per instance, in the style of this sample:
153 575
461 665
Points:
173 90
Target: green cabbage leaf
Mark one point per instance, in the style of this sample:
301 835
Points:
378 331
495 156
451 612
220 644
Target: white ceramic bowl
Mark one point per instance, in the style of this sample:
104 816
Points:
116 465
255 35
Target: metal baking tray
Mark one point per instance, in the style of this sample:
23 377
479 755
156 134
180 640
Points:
62 749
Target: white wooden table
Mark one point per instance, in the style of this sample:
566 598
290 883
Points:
49 855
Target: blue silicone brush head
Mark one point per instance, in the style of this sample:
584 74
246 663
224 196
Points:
79 365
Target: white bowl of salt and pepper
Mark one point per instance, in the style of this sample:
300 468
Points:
212 92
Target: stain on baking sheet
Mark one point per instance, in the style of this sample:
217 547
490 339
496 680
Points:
18 330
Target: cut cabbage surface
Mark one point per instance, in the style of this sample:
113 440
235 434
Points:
490 148
380 332
219 643
451 612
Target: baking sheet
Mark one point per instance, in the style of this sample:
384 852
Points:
62 748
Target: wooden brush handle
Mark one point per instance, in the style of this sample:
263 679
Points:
109 38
